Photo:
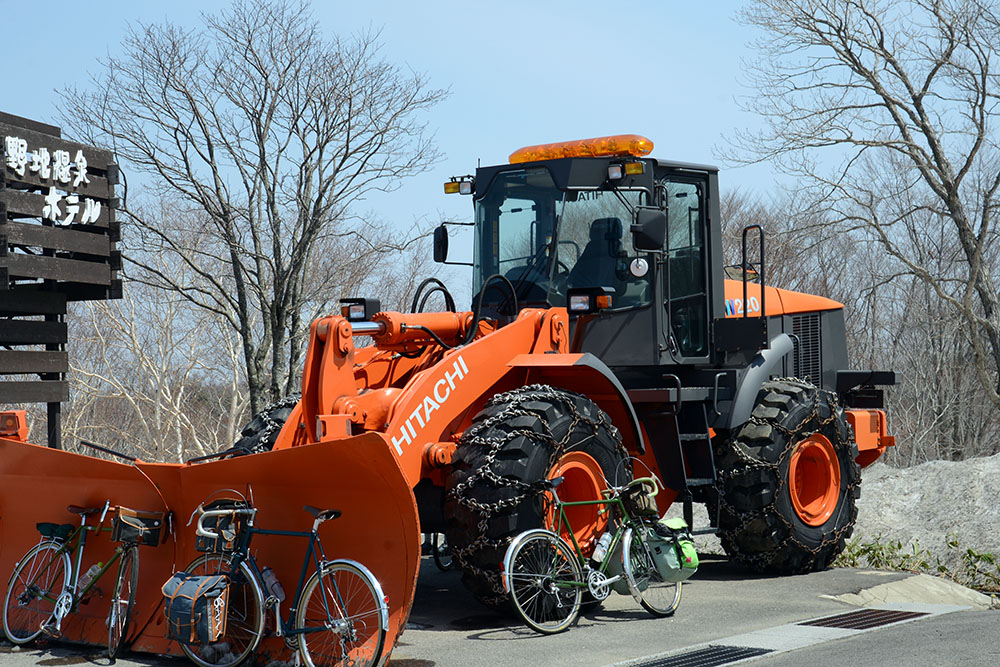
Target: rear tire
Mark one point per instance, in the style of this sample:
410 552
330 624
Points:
544 575
123 600
356 625
519 438
38 580
788 480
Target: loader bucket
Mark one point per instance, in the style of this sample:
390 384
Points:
358 476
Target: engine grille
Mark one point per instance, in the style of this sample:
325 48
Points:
808 346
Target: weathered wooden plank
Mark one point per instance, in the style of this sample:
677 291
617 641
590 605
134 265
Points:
56 268
56 238
81 292
36 125
23 204
31 332
31 301
43 391
33 361
96 157
98 188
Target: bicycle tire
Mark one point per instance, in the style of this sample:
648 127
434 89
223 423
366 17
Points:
442 554
29 603
657 596
244 616
123 601
535 565
347 600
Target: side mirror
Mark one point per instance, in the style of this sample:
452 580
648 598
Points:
649 228
440 244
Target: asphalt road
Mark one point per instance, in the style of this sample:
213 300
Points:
449 629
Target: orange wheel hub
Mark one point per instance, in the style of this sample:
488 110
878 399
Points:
583 480
814 479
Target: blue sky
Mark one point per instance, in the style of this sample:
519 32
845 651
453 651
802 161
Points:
519 73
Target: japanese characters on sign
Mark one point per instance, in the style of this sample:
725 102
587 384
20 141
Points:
62 169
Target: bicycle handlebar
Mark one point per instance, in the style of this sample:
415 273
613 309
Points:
202 513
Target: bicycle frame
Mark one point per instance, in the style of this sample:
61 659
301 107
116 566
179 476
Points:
562 521
314 553
74 545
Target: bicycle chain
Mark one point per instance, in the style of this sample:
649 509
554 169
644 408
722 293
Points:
512 401
751 462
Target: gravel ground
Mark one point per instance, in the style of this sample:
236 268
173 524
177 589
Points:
928 502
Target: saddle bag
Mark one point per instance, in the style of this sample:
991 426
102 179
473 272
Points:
137 527
673 550
196 607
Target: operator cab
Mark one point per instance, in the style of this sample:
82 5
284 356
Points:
562 217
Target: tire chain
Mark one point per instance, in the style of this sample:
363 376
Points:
513 400
750 462
271 425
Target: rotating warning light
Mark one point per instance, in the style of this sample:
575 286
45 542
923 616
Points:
618 144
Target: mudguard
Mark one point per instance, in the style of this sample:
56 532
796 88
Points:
759 372
359 476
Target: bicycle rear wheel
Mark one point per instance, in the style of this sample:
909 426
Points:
542 574
343 617
123 600
37 582
657 596
244 616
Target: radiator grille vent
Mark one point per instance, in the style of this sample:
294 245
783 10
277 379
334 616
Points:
808 344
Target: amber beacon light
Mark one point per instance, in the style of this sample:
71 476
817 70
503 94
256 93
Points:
619 144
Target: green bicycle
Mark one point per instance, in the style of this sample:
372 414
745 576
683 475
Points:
47 583
545 576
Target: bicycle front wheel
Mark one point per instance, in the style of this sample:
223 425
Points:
343 617
544 578
657 596
37 582
244 616
123 600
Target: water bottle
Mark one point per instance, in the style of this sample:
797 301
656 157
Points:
89 576
272 584
601 550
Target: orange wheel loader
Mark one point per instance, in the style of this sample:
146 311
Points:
603 341
602 336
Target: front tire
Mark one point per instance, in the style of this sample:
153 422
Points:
788 481
660 598
37 582
520 438
244 619
357 614
124 600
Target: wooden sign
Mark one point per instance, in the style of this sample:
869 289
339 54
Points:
58 238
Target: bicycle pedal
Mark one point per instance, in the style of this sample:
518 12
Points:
50 630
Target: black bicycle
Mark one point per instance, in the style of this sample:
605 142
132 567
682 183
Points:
338 616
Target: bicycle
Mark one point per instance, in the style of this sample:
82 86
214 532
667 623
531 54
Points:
45 586
338 616
545 576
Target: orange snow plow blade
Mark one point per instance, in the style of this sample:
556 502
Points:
358 476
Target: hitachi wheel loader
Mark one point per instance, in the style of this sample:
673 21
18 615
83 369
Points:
603 338
603 342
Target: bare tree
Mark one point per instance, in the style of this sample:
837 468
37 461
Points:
887 108
265 135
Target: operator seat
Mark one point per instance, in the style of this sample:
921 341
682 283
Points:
599 260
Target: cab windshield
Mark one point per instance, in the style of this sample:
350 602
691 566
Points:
545 240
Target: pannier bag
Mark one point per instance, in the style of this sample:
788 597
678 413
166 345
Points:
196 607
673 549
137 527
227 526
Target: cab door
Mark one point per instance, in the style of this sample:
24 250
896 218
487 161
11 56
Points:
685 278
